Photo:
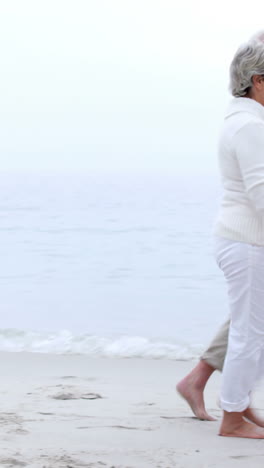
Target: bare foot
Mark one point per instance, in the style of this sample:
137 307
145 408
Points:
253 417
191 389
233 425
244 429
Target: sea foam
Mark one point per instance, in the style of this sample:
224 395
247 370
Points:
65 342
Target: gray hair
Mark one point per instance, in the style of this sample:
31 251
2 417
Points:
247 62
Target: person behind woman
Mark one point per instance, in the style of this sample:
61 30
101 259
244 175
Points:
239 238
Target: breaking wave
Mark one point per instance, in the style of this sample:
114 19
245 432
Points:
122 346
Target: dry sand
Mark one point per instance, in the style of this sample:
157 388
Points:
71 411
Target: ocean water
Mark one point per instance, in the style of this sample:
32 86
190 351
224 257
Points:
109 264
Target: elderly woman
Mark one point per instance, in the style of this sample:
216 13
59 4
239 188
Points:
239 237
239 246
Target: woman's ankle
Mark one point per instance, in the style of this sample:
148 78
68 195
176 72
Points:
232 419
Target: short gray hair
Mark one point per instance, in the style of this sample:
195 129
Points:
247 62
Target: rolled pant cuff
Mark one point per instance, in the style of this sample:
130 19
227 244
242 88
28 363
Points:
215 363
235 407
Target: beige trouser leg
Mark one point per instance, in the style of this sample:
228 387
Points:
216 351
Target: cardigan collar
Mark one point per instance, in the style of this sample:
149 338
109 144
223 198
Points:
244 104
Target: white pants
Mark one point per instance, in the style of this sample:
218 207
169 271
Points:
243 268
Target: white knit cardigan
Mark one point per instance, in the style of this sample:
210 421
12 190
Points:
241 164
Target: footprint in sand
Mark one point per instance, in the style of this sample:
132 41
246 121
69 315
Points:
10 462
12 423
68 461
76 396
145 403
69 377
130 428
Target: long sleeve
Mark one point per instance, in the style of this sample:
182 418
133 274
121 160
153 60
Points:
249 150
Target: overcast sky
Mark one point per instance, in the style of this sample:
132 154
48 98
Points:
117 84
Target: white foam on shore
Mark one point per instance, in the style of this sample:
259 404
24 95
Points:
65 342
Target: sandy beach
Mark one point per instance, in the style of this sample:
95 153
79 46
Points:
71 411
